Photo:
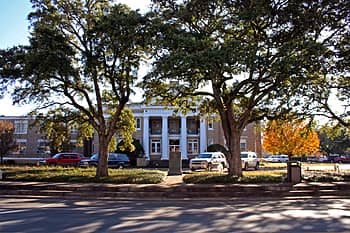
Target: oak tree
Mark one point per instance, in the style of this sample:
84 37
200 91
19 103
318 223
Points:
84 57
244 60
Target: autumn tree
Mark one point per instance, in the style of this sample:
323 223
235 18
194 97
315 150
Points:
83 57
7 141
293 138
244 60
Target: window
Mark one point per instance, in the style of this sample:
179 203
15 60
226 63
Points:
21 126
155 146
210 124
21 146
174 145
243 146
174 126
43 147
138 123
192 126
156 126
192 146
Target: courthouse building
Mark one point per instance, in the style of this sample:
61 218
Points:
159 129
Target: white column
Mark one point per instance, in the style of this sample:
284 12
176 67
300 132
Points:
165 140
183 141
202 135
146 136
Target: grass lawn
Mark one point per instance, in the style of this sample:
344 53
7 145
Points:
73 174
259 176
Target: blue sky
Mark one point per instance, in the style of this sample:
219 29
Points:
14 31
14 23
14 28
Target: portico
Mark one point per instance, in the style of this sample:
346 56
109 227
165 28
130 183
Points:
164 132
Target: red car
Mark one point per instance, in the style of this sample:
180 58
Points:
342 159
64 159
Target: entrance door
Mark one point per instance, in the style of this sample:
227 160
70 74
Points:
174 145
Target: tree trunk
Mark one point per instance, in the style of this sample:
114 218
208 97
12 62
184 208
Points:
102 168
234 160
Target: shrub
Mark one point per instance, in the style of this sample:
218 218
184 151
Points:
217 148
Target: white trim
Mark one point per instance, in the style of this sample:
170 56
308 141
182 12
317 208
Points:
146 143
202 135
183 141
165 140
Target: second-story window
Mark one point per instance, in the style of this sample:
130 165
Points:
21 126
138 123
210 124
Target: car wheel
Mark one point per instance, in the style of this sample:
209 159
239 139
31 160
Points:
257 166
220 168
209 168
246 166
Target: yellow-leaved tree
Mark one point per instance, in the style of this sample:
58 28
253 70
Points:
293 138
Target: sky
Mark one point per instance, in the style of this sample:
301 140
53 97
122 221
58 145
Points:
14 28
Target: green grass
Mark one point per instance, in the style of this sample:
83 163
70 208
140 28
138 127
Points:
273 165
73 174
248 177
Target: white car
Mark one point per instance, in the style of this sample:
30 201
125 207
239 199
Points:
249 160
277 158
209 161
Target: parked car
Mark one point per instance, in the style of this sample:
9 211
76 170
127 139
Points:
277 158
209 161
249 160
64 159
115 160
342 159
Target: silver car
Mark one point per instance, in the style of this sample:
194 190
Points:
209 161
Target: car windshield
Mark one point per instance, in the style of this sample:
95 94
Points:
123 157
56 156
244 155
204 156
94 157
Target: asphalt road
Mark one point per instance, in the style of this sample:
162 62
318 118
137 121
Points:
298 215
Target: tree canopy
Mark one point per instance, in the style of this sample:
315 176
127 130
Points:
293 138
334 139
83 57
246 60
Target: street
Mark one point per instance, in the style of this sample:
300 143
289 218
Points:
265 215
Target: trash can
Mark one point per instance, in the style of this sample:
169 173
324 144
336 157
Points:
294 171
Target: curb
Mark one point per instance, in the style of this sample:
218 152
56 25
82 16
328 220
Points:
178 191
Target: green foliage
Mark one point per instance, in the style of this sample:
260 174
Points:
334 139
57 125
132 154
125 129
83 57
245 60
